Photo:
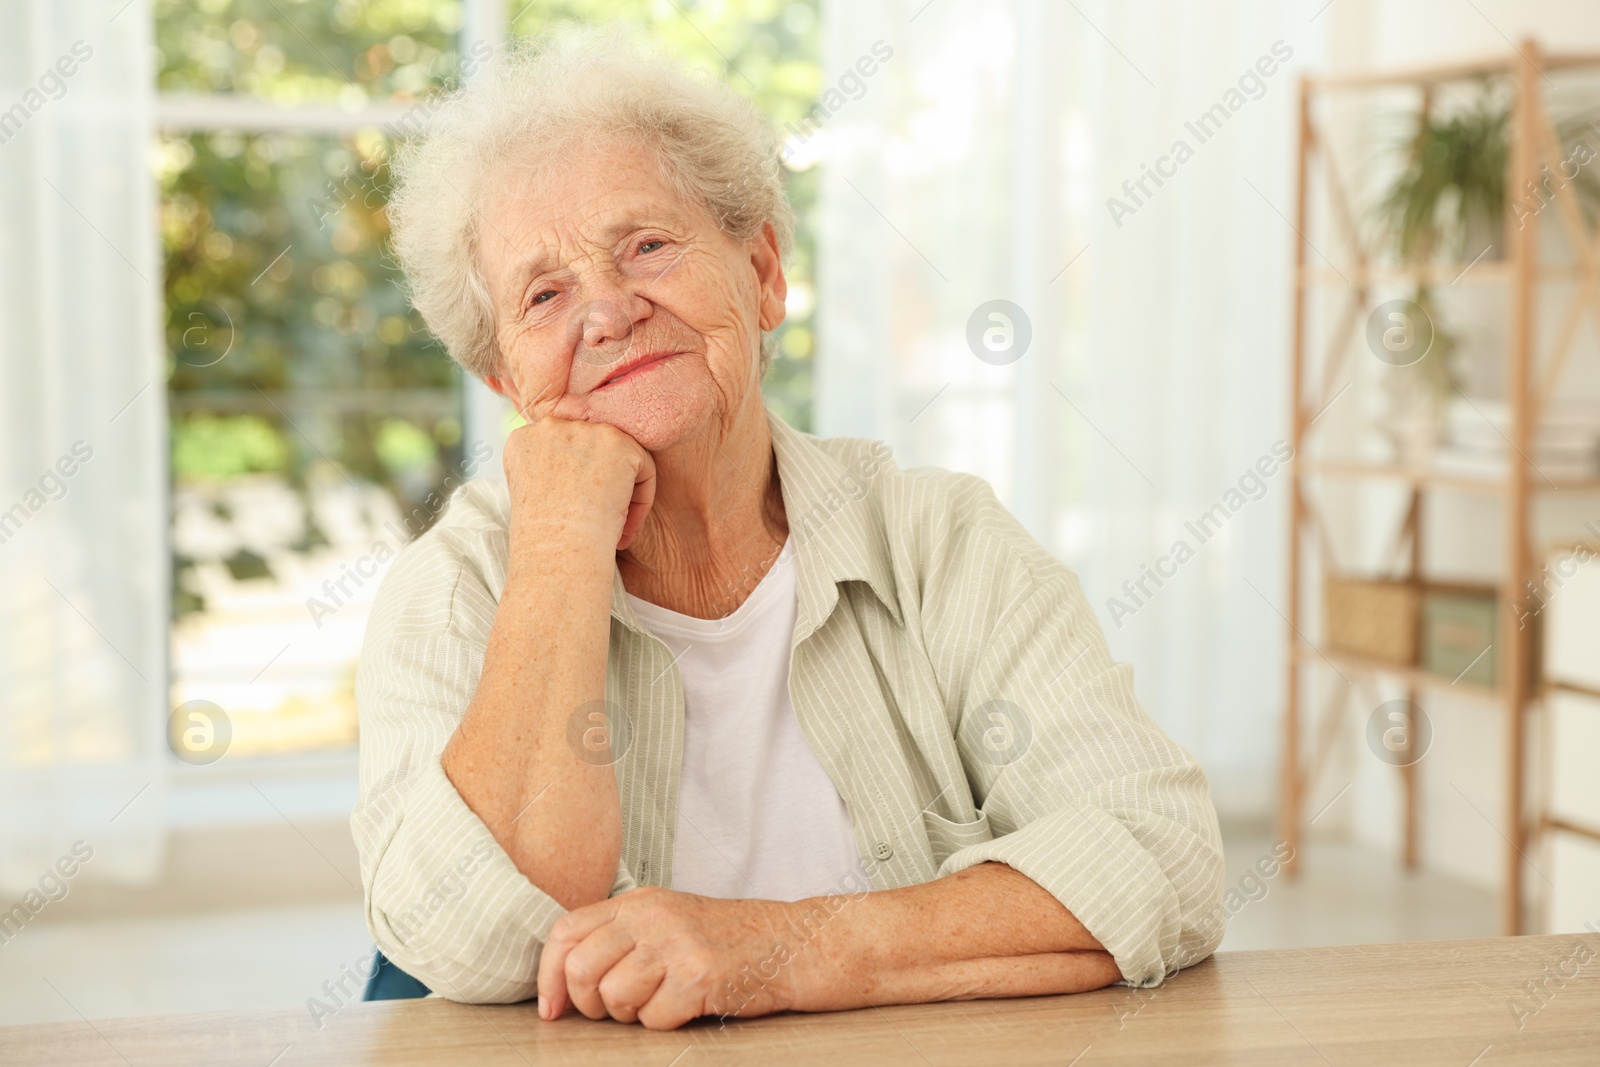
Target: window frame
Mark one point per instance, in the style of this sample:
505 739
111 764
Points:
314 784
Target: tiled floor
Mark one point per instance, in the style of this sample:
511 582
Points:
280 957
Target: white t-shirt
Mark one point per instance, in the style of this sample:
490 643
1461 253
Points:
758 816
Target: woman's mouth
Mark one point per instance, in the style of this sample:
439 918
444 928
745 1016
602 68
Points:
635 369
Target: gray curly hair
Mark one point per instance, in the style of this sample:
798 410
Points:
536 101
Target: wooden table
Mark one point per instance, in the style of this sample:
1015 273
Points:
1442 1002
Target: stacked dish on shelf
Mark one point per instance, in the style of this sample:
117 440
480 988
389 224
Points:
1564 447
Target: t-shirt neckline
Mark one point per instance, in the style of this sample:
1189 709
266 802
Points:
659 620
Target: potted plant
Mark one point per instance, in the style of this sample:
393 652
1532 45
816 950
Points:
1450 197
1447 202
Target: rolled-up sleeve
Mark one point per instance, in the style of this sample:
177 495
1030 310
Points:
1088 797
444 901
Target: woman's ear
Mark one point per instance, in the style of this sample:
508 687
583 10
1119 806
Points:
500 381
507 388
768 263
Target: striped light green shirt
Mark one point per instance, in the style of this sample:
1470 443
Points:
947 671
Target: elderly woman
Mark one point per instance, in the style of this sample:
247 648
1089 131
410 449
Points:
697 714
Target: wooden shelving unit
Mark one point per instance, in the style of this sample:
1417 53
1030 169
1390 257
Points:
1529 383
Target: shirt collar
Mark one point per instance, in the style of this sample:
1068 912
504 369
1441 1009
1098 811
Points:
834 522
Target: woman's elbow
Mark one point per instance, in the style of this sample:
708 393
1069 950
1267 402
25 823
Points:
1203 920
461 980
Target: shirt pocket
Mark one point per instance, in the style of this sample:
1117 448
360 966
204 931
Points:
946 838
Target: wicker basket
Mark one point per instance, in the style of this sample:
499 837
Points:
1374 617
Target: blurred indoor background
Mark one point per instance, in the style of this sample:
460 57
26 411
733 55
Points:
219 419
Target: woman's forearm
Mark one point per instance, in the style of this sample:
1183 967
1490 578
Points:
987 931
555 812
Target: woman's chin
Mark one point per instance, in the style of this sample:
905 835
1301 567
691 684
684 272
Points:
657 419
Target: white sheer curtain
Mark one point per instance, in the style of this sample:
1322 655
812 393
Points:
83 567
976 164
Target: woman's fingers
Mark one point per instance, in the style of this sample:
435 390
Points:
568 932
675 1001
630 984
590 961
660 958
644 495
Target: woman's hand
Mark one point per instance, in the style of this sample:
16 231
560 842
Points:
587 480
662 958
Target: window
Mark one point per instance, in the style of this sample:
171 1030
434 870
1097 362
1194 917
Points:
313 419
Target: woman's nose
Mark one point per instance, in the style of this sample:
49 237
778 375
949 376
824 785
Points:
604 320
605 329
604 323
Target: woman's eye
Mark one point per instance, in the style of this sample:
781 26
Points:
542 297
646 247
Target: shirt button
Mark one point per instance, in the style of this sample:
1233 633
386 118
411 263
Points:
882 850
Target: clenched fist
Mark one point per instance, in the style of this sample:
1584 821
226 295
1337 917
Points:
588 480
661 958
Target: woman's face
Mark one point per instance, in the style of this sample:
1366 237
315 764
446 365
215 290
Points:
617 302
